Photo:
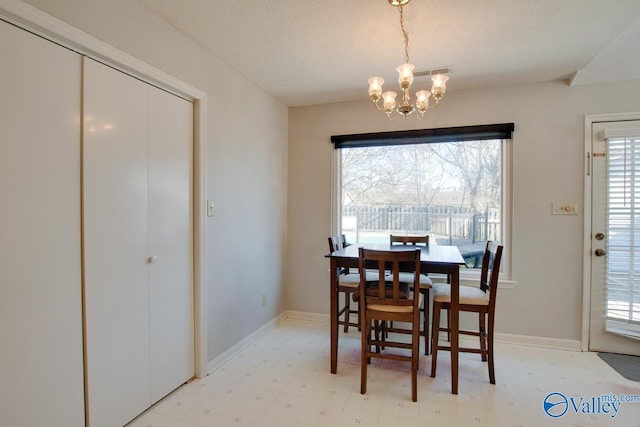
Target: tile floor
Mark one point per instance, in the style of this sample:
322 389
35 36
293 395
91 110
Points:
283 380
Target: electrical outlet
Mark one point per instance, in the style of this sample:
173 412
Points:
264 300
563 208
210 210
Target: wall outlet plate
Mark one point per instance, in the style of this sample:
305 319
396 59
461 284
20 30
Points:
564 208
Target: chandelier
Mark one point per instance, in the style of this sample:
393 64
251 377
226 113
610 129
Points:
405 79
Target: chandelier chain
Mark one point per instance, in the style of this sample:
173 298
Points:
405 35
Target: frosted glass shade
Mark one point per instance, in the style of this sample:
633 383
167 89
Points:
439 85
405 75
375 86
389 100
422 99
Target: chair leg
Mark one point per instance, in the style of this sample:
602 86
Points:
448 315
415 351
347 309
425 324
364 360
492 374
377 331
483 336
435 331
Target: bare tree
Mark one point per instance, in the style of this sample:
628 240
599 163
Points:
390 187
466 174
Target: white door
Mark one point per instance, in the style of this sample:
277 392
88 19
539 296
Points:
138 244
615 238
115 245
170 242
41 366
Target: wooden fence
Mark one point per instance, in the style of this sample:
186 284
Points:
443 221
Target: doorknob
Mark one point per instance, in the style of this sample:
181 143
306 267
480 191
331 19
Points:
600 252
599 236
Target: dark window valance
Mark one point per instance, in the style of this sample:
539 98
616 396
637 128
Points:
424 136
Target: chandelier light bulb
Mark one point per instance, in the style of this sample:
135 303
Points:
422 99
389 100
439 85
405 75
375 87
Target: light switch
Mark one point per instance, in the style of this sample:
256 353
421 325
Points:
562 208
210 211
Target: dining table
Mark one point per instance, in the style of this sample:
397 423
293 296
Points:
433 259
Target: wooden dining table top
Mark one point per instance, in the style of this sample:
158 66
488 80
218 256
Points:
435 254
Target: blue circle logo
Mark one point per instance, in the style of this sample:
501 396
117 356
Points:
555 405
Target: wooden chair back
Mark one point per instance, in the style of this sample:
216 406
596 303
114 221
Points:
388 289
337 242
409 240
490 272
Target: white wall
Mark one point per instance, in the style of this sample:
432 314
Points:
548 166
246 163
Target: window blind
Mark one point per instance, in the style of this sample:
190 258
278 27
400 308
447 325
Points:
425 136
623 229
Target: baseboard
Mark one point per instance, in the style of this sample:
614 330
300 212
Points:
501 338
303 315
544 342
214 364
525 340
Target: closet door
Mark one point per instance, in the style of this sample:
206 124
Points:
41 367
138 244
170 242
115 245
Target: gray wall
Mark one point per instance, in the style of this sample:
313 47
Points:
548 150
246 163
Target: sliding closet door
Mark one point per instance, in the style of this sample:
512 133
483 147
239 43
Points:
41 368
170 242
115 245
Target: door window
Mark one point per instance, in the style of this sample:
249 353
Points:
623 231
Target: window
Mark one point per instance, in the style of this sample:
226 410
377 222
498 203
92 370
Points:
449 183
623 231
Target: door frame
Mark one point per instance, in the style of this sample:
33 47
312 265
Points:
44 25
589 120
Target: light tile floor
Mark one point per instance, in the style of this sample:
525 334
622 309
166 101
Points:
283 380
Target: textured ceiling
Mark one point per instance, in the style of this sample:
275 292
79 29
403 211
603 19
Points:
319 51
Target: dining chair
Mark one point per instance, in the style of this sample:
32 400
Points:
348 285
389 299
425 284
481 300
